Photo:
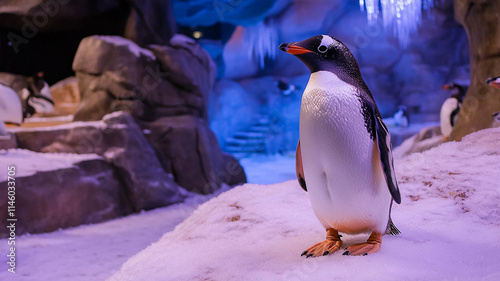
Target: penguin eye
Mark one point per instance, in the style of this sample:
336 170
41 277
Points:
322 49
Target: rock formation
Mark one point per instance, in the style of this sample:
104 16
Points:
91 193
480 20
166 89
120 142
116 74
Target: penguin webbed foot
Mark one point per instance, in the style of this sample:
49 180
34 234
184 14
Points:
372 245
330 245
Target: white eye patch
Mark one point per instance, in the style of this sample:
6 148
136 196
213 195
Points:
326 41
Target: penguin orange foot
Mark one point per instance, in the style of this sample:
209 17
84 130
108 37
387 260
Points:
330 245
372 245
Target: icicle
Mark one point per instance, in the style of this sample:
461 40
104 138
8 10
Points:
403 16
261 41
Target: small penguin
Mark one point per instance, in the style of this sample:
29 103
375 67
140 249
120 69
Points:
496 119
451 107
11 110
494 82
286 88
401 118
37 96
344 158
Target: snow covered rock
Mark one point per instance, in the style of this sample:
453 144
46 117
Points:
111 70
121 142
116 74
99 54
189 67
90 193
449 218
8 141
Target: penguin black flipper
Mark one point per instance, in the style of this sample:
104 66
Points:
385 149
299 169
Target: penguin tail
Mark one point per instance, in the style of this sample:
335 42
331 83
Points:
392 229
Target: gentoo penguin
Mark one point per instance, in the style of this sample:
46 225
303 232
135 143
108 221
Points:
11 110
401 118
286 88
451 107
494 82
496 119
37 96
344 157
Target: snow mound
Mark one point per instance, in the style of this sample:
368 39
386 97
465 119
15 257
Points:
449 220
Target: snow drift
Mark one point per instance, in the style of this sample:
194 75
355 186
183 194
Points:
449 218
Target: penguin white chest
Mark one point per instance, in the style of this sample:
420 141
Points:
446 118
341 162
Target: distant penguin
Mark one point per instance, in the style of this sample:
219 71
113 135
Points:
11 110
496 119
344 159
451 107
286 88
37 96
401 118
494 82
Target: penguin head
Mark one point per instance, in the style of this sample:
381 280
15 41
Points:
496 119
322 52
494 82
458 91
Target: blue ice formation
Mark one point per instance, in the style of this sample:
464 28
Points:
209 12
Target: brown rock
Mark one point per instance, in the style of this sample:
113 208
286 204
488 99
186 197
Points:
189 67
66 96
118 62
7 142
137 83
480 20
188 149
91 193
93 107
150 22
235 173
14 81
121 142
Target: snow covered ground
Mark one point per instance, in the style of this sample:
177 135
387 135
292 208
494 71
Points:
449 218
91 252
269 169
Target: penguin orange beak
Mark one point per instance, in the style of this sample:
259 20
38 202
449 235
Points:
293 49
494 82
446 87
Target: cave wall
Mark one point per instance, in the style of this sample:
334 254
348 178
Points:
438 54
44 35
